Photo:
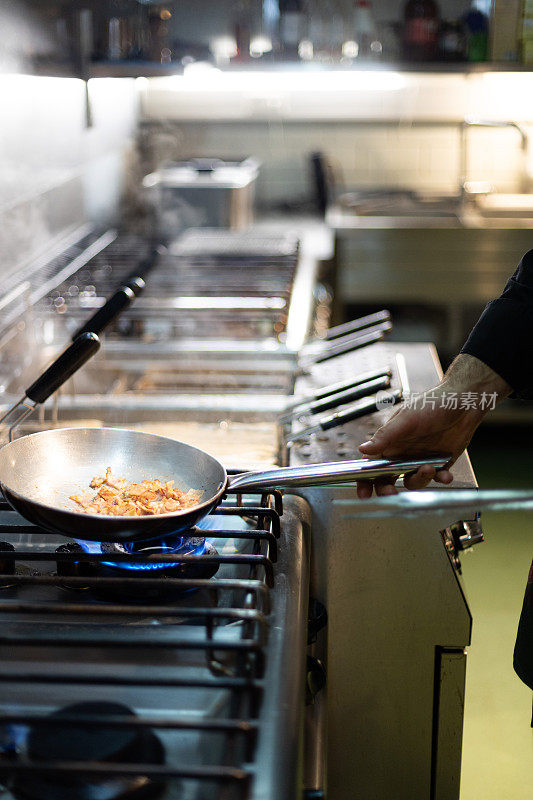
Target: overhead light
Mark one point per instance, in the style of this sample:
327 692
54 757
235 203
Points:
165 14
306 50
350 49
259 45
224 48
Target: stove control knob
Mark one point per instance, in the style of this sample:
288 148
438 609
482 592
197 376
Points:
467 533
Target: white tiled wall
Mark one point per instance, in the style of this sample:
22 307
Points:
405 136
418 157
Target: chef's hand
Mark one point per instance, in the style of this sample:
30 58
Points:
442 420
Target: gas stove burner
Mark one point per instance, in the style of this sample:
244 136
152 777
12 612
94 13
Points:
91 744
178 546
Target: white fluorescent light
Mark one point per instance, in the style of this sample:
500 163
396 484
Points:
209 78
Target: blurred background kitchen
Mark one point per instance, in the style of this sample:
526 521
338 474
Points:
393 138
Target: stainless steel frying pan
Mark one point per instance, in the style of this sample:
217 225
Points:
38 473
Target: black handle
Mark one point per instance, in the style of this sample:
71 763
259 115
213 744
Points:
358 410
65 365
349 347
144 267
354 393
150 261
363 377
109 312
357 324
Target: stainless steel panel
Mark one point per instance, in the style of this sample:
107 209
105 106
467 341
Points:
450 675
392 597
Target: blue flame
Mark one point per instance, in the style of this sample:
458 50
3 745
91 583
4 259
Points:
181 545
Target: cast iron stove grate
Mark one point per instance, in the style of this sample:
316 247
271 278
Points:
74 666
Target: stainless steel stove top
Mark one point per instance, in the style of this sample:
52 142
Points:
199 666
221 313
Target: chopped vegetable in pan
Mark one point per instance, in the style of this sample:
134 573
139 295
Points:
117 497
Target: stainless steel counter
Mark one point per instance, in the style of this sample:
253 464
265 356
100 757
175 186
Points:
445 268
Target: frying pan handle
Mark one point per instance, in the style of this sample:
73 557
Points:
116 304
333 472
63 367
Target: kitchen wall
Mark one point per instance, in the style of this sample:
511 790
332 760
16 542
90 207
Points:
64 145
379 128
58 169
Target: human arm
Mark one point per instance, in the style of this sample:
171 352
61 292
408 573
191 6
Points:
496 359
433 425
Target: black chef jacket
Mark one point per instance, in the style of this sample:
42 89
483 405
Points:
503 339
503 336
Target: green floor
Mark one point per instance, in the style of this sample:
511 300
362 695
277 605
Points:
498 739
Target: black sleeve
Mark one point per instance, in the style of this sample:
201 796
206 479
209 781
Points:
503 336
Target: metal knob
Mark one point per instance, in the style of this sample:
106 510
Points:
467 533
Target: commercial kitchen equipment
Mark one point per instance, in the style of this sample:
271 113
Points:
159 680
202 192
369 579
390 722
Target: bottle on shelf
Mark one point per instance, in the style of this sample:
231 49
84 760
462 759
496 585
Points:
366 36
420 33
476 25
291 23
526 35
451 42
505 24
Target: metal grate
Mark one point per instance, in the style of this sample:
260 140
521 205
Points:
226 295
211 644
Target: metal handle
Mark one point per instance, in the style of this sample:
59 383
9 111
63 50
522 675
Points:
350 338
332 472
336 399
335 388
65 365
105 315
363 377
357 324
341 398
372 336
447 503
136 284
358 410
147 264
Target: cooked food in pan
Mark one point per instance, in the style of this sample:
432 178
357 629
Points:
117 497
